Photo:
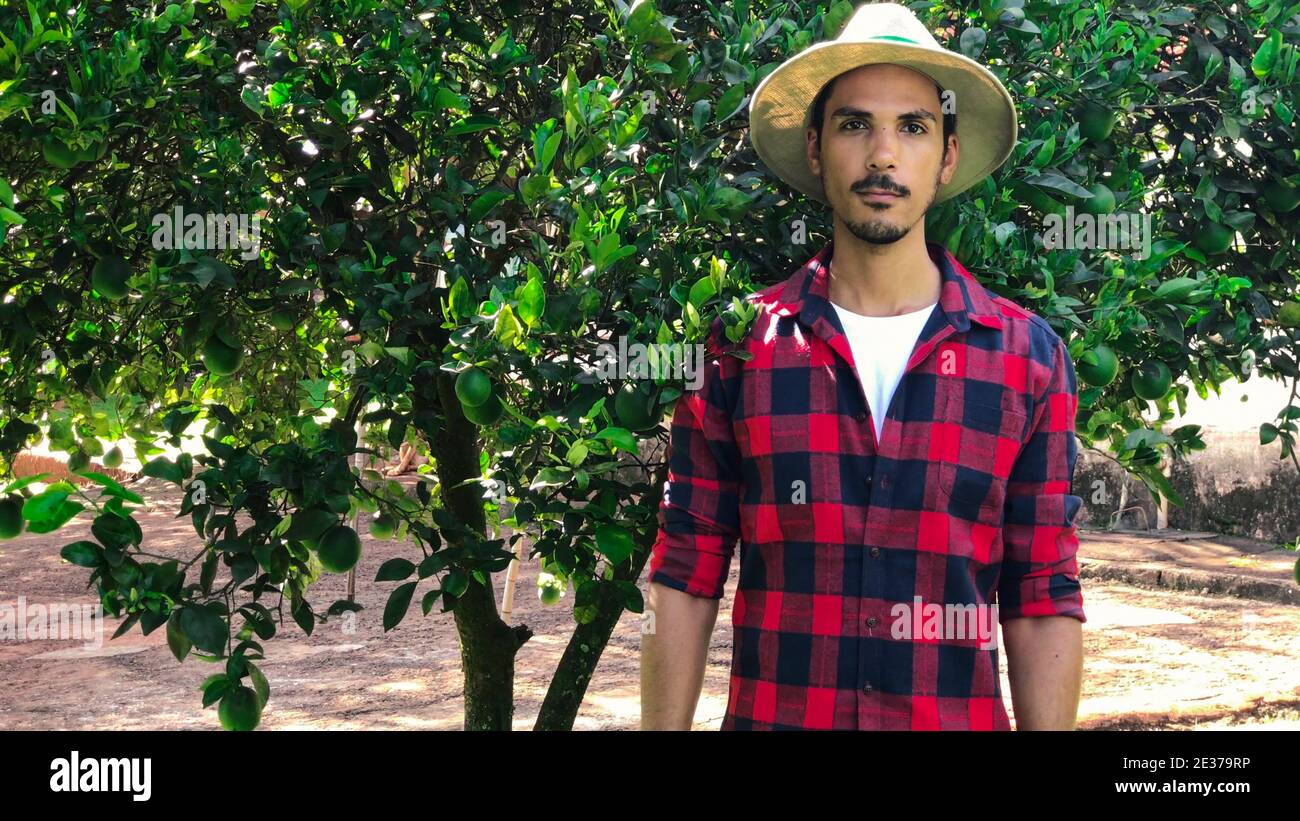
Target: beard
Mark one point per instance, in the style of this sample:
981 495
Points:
877 232
882 232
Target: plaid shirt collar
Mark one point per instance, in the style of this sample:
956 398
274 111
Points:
806 294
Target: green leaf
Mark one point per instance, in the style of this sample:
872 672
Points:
19 484
398 603
45 505
204 628
620 438
237 10
1157 481
1267 433
473 123
614 542
456 582
260 685
82 554
641 17
731 101
835 18
460 300
394 570
111 486
164 468
532 302
214 686
61 516
426 604
485 203
701 291
551 477
176 638
1053 181
550 149
1266 54
303 616
508 328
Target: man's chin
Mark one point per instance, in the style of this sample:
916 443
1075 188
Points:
876 231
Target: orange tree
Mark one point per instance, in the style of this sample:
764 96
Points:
456 204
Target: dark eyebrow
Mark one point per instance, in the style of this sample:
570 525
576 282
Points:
850 111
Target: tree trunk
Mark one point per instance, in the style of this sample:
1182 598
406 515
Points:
487 644
569 684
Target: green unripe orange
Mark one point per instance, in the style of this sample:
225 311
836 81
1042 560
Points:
110 276
11 517
1213 238
1152 380
339 549
1281 197
1095 122
1098 366
382 526
240 710
220 358
1102 200
282 319
473 387
487 413
636 406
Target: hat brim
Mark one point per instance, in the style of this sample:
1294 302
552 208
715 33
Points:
779 111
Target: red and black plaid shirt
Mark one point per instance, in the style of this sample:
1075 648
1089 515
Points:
966 500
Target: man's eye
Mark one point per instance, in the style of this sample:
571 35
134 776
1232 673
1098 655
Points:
920 129
848 123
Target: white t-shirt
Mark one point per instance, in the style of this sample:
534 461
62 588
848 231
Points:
881 347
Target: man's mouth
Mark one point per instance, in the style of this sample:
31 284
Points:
877 194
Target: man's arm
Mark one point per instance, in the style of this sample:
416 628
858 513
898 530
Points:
1045 665
699 521
674 656
1040 600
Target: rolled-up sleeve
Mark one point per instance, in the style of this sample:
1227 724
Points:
1040 571
699 518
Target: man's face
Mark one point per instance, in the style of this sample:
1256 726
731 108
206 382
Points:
881 154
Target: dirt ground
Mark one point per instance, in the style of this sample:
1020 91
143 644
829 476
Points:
1153 658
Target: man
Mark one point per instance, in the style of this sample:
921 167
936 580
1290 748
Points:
892 437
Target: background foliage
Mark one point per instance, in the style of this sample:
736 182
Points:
445 183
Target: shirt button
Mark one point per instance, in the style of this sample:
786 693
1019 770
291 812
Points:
875 552
867 688
861 416
871 622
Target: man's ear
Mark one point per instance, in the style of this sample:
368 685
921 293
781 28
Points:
949 166
812 150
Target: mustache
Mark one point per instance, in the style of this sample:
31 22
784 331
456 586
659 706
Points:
883 183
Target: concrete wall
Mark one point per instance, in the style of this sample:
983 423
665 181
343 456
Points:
1234 486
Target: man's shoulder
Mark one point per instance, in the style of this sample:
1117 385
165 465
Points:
1028 336
771 304
1021 323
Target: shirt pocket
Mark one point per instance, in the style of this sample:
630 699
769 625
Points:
973 481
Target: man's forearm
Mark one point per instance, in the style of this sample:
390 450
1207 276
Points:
673 657
1045 665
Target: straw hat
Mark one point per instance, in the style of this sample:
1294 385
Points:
780 110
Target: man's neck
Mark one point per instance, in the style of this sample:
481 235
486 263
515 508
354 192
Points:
883 280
